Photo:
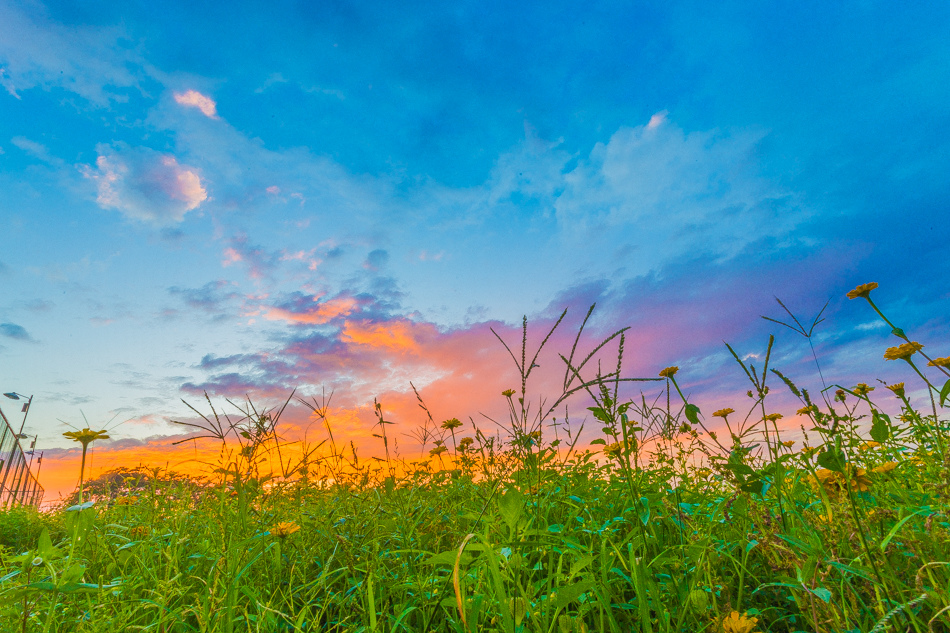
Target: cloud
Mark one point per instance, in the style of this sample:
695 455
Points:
36 150
14 331
679 191
194 99
97 63
145 185
376 260
214 297
319 313
260 263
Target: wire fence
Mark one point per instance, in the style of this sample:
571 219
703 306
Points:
18 486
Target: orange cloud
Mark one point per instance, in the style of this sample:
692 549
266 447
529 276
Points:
401 335
194 99
322 313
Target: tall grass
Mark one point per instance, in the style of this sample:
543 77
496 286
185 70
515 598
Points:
678 522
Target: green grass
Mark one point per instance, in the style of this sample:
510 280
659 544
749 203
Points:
666 528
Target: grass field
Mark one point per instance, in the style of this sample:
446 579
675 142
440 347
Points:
660 526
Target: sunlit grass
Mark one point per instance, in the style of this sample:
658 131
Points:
678 522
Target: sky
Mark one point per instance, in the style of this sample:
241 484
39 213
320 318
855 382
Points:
243 200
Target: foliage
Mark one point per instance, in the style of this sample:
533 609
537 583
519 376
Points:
671 526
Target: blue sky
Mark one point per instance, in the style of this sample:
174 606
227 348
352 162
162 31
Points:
196 191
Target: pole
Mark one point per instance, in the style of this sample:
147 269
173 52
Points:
25 413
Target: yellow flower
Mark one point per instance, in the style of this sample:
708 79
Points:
449 425
86 436
898 389
438 450
903 351
864 291
862 389
284 529
940 362
465 442
669 372
886 467
806 410
737 622
138 532
868 445
722 413
835 482
508 393
788 444
126 501
613 450
773 417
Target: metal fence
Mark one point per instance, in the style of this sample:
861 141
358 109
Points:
18 486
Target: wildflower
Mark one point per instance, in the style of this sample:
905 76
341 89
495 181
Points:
864 291
126 501
868 445
788 444
737 622
508 393
613 450
465 442
898 389
840 395
669 372
773 417
862 389
886 467
722 413
903 351
806 410
139 532
438 450
835 482
284 529
940 362
86 436
452 424
749 393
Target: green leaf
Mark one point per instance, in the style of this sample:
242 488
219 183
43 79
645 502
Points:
821 592
898 526
692 413
599 440
73 574
644 511
600 414
511 505
570 593
880 430
832 459
944 392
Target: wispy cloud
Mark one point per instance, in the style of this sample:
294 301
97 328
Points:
96 63
194 99
36 150
145 185
216 298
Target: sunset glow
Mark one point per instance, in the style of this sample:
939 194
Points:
209 206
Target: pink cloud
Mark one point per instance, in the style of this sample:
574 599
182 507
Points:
145 185
318 315
194 99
